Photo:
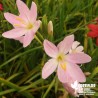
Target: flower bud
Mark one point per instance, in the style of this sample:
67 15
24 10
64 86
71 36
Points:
50 28
87 73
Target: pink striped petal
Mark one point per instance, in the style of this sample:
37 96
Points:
79 49
70 90
75 72
63 75
50 49
28 39
11 18
33 11
36 26
23 9
20 39
78 58
14 33
49 68
75 44
65 45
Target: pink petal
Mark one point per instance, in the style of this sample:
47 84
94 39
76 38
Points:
63 75
66 44
33 11
50 49
14 33
36 26
49 68
75 44
78 58
27 39
75 72
11 18
70 90
79 49
20 39
23 9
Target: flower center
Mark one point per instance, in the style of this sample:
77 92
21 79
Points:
29 26
61 60
60 57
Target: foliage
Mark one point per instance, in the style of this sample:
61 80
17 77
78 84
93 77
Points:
20 68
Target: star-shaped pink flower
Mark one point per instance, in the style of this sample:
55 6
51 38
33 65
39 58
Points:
64 62
25 25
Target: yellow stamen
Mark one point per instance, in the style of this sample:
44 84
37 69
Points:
20 20
63 65
17 25
29 26
60 57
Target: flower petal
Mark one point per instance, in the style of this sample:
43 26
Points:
11 18
28 38
70 90
65 45
19 39
49 68
93 27
14 33
93 34
50 49
33 11
75 72
36 26
78 58
79 49
63 75
75 44
23 9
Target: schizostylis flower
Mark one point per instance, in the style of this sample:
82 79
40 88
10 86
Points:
25 25
64 62
73 88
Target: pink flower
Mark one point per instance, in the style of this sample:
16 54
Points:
66 64
25 25
76 48
73 88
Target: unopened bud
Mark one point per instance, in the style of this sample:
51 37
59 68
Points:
87 73
50 28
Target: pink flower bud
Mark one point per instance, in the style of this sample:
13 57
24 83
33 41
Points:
50 28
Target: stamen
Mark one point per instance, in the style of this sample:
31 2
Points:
63 65
29 26
60 57
17 25
20 20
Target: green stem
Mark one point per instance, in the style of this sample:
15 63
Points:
38 39
40 35
49 88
